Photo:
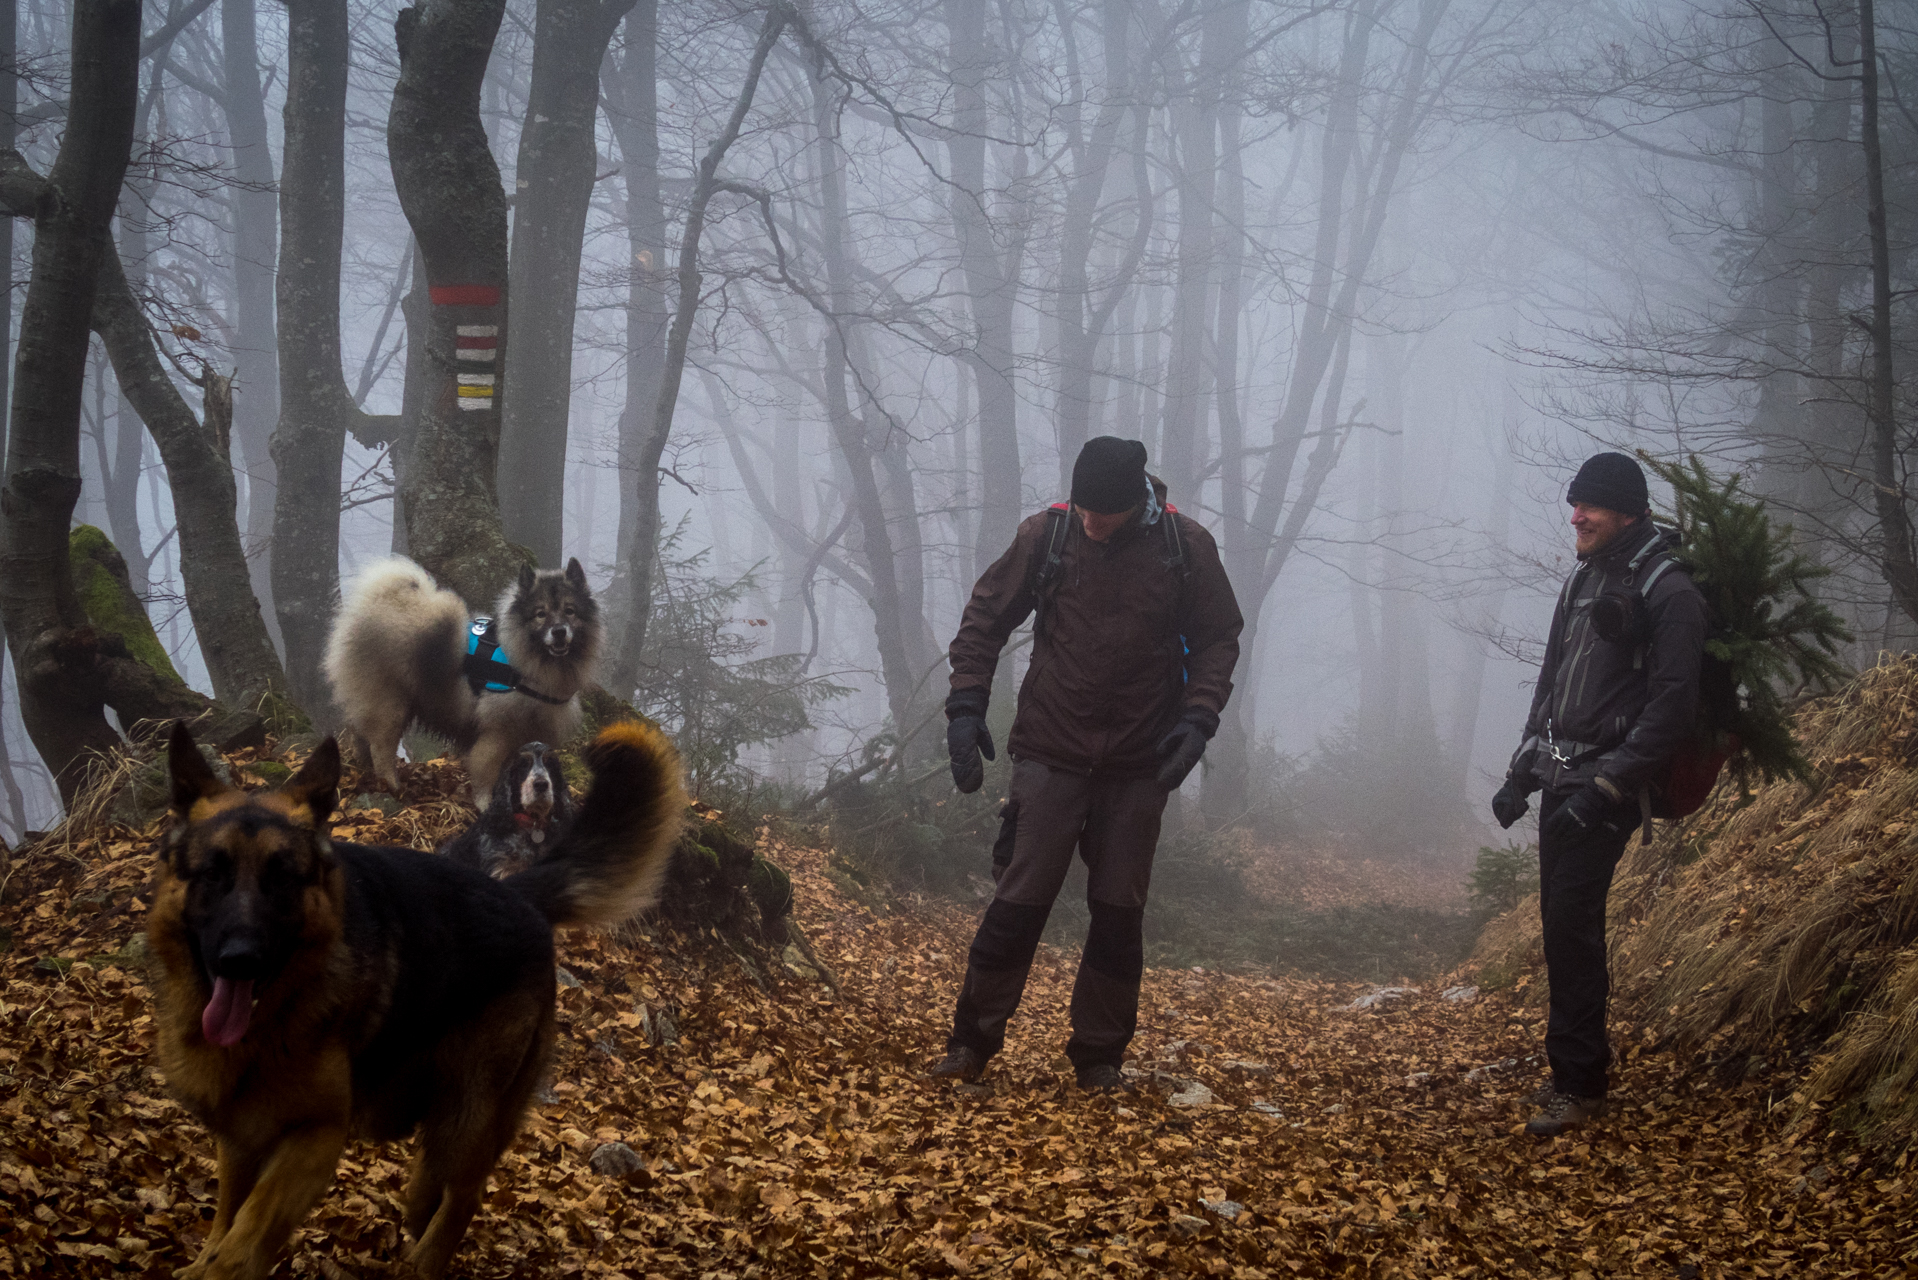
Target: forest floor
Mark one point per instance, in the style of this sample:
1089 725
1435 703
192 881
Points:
793 1133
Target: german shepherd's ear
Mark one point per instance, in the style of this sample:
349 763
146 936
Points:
527 577
316 787
575 574
193 777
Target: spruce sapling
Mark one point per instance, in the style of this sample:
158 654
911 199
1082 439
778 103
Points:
1775 637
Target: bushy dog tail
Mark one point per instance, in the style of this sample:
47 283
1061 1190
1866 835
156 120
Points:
393 612
611 863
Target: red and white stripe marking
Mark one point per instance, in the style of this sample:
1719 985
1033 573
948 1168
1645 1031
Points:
476 346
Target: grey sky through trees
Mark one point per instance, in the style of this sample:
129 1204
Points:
1368 277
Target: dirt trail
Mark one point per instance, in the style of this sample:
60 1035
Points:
795 1135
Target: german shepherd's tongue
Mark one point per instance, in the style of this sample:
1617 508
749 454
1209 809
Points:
228 1012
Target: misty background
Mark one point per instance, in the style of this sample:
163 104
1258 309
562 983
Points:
1368 277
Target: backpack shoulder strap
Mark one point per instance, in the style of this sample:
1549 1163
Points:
1045 573
1174 544
1659 570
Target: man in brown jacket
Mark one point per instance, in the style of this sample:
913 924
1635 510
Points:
1134 644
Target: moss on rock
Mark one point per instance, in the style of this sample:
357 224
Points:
106 593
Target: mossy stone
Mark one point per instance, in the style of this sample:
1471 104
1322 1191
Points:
106 593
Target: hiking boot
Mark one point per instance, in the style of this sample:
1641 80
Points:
1540 1096
1103 1078
962 1062
1564 1113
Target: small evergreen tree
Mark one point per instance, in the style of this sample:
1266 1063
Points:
1773 637
1502 877
699 677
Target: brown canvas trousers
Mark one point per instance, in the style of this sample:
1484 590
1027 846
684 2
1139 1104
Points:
1113 822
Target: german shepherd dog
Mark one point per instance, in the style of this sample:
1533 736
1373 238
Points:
308 990
529 814
399 649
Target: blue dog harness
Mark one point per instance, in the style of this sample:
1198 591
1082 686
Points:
487 672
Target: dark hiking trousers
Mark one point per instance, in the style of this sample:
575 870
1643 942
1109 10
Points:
1114 823
1574 879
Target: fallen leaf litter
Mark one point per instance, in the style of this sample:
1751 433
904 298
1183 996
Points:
795 1135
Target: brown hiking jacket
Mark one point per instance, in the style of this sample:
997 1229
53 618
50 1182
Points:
1108 678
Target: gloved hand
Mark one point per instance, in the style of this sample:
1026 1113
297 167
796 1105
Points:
1510 804
1185 744
967 737
1588 809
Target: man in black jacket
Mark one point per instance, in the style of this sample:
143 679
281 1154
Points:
1617 697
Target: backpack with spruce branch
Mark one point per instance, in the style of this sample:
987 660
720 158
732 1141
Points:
1769 639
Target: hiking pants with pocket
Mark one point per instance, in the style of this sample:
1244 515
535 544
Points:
1574 880
1114 824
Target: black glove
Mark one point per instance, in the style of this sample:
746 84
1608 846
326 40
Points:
1185 744
1588 809
1510 804
966 737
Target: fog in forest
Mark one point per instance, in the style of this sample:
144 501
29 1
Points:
1368 277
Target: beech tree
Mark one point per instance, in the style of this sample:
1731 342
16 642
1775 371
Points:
317 412
65 672
449 187
256 355
553 186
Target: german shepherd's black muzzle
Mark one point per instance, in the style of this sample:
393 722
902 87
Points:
244 914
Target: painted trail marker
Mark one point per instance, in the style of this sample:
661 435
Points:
476 346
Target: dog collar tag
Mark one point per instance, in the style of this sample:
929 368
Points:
537 837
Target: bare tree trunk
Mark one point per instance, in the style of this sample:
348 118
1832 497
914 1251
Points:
634 574
1194 128
1082 323
9 136
120 487
316 410
449 188
554 186
991 277
1774 293
420 384
257 405
1469 693
632 108
901 499
1836 426
891 628
240 657
1896 559
58 679
1225 787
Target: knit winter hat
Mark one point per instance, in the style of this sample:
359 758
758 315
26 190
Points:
1612 481
1109 476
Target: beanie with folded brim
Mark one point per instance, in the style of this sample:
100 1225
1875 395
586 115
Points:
1612 481
1109 476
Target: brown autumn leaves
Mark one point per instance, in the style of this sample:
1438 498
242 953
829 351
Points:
794 1135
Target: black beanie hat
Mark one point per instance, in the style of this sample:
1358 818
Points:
1612 481
1109 476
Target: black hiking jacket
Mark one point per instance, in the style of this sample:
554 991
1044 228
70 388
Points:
1617 709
